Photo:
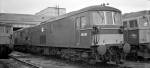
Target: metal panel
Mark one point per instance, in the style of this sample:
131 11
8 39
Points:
42 39
35 36
62 33
4 40
144 36
132 36
109 38
85 38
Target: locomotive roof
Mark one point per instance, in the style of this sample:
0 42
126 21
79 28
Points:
136 14
91 8
100 8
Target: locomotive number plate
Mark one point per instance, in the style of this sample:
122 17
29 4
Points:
83 34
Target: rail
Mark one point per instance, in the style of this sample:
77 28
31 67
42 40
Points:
24 62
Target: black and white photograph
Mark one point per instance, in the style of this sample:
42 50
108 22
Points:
74 33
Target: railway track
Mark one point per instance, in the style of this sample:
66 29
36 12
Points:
30 65
34 61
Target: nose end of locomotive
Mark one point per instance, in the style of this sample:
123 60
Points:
126 48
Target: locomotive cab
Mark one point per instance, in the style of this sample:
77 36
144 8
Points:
106 25
107 34
102 31
137 33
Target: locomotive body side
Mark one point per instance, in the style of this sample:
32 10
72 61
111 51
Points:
90 34
63 33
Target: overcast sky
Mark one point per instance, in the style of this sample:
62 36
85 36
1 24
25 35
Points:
33 6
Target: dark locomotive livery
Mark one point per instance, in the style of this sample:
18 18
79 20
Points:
6 40
137 33
91 34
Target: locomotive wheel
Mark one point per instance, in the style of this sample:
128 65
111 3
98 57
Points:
102 49
126 48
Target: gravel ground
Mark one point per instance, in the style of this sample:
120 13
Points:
3 65
53 62
9 63
132 64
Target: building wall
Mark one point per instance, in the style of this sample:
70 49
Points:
51 12
26 20
20 20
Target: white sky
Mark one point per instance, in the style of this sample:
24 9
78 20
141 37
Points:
33 6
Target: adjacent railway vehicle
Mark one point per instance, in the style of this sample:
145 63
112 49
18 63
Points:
91 34
137 33
6 41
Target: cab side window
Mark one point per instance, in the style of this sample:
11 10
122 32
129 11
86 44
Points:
133 23
144 21
83 22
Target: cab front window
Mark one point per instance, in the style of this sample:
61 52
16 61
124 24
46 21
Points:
117 18
98 18
145 21
109 18
106 18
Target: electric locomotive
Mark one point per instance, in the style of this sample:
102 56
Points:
137 33
6 41
91 34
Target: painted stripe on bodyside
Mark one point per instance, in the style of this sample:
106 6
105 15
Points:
110 31
108 26
103 39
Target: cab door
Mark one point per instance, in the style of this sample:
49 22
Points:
83 34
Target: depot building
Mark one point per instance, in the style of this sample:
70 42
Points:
18 21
